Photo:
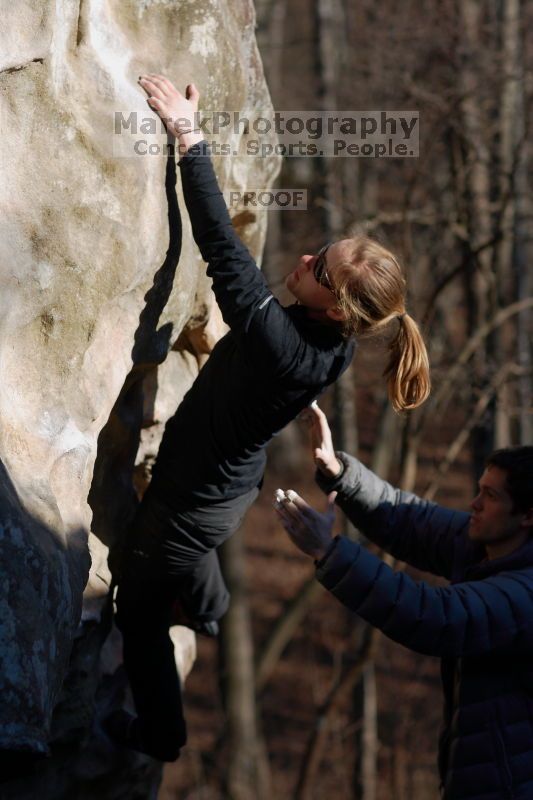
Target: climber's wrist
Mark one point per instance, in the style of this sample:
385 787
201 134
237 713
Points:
188 139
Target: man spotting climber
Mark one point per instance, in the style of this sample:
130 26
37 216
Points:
272 364
481 625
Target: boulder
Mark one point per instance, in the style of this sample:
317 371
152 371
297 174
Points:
105 316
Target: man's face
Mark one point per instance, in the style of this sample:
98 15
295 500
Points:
494 519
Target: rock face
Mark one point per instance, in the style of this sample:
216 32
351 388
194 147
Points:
105 316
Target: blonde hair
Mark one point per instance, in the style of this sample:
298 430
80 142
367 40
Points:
370 289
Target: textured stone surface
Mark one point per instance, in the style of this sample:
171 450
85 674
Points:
99 283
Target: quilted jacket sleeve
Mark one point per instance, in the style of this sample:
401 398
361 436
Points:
423 534
469 618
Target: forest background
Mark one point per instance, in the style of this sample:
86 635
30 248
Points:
299 699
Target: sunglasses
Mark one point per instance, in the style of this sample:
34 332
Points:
320 270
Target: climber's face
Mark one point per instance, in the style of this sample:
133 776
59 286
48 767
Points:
312 283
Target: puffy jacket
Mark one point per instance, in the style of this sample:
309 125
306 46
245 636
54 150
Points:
481 625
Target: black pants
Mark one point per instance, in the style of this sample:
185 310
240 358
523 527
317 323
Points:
169 557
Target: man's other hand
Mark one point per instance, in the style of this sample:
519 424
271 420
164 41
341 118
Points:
310 530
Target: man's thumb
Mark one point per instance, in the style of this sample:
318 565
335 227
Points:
319 456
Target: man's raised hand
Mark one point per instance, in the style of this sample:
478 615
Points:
321 442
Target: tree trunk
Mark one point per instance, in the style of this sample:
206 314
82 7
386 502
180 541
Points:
478 159
511 124
515 148
247 773
481 289
370 744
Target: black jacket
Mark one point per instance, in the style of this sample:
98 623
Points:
260 375
481 626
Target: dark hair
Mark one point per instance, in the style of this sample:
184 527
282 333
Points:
517 463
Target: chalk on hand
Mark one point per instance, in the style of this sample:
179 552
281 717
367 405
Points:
314 404
279 497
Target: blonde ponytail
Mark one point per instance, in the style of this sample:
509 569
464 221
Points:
407 372
370 290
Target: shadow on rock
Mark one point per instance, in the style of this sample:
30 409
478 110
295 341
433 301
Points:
112 496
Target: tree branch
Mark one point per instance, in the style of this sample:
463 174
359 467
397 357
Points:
284 630
344 684
503 374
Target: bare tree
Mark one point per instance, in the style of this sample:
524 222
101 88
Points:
244 754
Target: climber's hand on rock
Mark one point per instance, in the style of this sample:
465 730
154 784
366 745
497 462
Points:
178 112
